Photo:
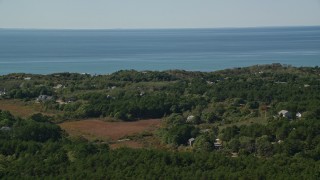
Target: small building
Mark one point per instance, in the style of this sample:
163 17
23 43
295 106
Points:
58 86
298 115
27 78
142 93
43 98
5 128
284 113
217 144
2 93
190 141
210 82
234 155
190 118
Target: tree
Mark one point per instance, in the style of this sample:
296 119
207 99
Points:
209 117
263 146
247 145
39 117
174 120
204 142
180 134
234 145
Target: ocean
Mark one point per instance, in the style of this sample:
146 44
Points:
107 51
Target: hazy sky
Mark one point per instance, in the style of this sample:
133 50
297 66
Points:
157 13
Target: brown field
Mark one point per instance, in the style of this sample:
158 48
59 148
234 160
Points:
21 108
17 108
110 131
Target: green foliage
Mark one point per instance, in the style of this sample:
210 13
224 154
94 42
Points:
227 95
31 130
37 128
35 148
180 134
6 119
204 142
40 118
52 161
174 120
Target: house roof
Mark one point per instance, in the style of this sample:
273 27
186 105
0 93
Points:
283 112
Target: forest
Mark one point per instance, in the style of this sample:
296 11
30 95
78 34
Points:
258 122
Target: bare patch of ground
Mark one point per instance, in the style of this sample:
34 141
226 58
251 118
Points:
23 109
115 132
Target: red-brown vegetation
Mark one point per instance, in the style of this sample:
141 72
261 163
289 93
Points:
98 129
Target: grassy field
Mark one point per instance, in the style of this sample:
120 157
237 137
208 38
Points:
24 109
117 133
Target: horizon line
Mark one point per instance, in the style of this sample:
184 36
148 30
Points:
165 28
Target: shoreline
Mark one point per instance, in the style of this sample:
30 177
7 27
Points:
167 70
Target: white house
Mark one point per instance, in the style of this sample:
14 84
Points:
284 113
58 86
5 128
190 141
298 115
190 118
217 143
2 93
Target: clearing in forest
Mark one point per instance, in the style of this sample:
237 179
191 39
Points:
112 131
22 109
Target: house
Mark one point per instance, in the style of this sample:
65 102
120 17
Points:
234 155
190 118
284 113
217 143
142 93
190 141
298 115
5 128
43 98
2 93
58 86
210 82
27 78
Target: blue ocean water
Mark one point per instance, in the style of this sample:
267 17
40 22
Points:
106 51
